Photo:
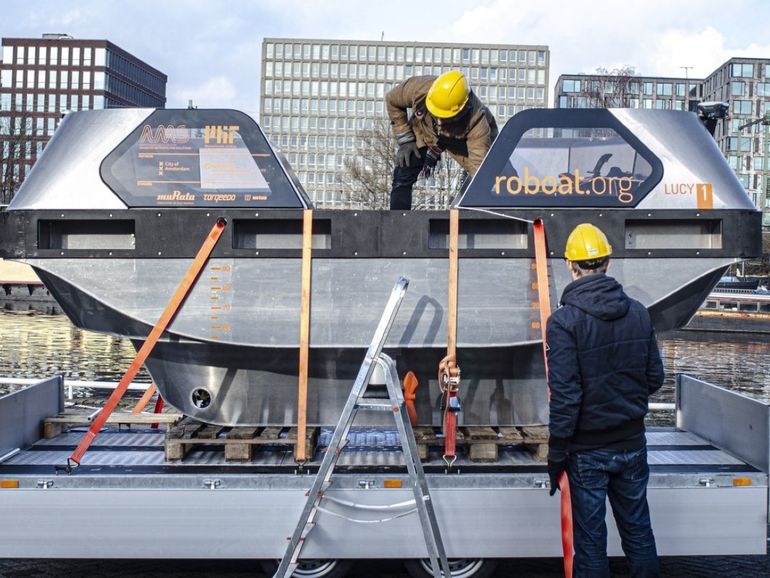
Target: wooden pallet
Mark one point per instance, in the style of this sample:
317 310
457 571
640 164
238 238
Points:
482 443
53 426
238 442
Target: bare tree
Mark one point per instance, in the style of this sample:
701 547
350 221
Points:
367 182
15 137
439 189
612 88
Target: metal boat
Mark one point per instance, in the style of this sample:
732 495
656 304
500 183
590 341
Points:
120 201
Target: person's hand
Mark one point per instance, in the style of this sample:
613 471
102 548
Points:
432 157
405 152
557 462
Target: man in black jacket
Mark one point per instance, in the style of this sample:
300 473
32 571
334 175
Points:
603 364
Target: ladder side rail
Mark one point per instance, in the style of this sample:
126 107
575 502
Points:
425 510
290 558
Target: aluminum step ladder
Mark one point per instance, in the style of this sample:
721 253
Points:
394 404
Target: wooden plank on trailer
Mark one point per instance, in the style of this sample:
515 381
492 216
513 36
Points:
482 443
209 432
511 435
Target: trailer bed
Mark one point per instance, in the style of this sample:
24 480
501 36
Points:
126 500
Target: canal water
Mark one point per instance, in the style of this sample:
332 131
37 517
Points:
35 344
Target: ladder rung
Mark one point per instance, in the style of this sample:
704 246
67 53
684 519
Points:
376 406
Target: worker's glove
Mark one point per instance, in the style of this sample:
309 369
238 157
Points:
406 148
557 462
432 157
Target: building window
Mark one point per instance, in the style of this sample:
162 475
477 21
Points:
742 70
737 88
571 86
742 107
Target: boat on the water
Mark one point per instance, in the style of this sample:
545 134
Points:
120 201
734 311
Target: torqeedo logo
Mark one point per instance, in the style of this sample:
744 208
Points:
566 184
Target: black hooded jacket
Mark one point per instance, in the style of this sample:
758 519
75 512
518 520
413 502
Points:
603 364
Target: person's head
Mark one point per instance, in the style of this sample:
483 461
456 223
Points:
587 251
448 96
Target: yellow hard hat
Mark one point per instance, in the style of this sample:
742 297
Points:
448 94
587 242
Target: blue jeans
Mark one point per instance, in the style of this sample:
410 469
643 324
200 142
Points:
595 475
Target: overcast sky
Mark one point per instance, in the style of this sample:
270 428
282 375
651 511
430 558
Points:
210 49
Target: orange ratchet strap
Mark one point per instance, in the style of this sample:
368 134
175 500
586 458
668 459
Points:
300 448
166 317
142 403
541 264
410 395
448 371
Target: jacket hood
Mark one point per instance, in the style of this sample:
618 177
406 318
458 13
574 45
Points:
598 295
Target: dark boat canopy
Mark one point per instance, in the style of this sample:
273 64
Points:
603 158
554 158
199 158
160 158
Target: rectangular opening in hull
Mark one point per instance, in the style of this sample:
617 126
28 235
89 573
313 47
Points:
674 234
85 234
279 234
486 234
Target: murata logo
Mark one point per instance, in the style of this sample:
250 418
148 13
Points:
175 197
164 134
703 192
566 184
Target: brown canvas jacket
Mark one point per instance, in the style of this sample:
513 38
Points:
467 140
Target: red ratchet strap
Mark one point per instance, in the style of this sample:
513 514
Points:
448 371
158 409
541 265
449 382
166 317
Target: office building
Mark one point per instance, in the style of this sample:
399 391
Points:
318 96
43 78
744 83
626 91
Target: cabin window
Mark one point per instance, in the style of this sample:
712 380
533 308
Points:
674 234
481 234
279 234
83 234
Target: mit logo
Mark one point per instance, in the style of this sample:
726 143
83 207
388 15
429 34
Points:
220 134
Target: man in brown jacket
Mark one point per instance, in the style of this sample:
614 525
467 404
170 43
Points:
446 116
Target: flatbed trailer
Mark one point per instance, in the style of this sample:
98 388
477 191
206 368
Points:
708 492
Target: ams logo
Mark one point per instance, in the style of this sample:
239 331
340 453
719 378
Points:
164 134
703 192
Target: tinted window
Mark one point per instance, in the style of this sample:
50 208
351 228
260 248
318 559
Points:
200 158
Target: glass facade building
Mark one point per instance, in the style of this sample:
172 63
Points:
43 78
317 95
607 90
744 83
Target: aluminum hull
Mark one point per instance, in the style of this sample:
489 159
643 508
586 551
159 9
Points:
116 207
